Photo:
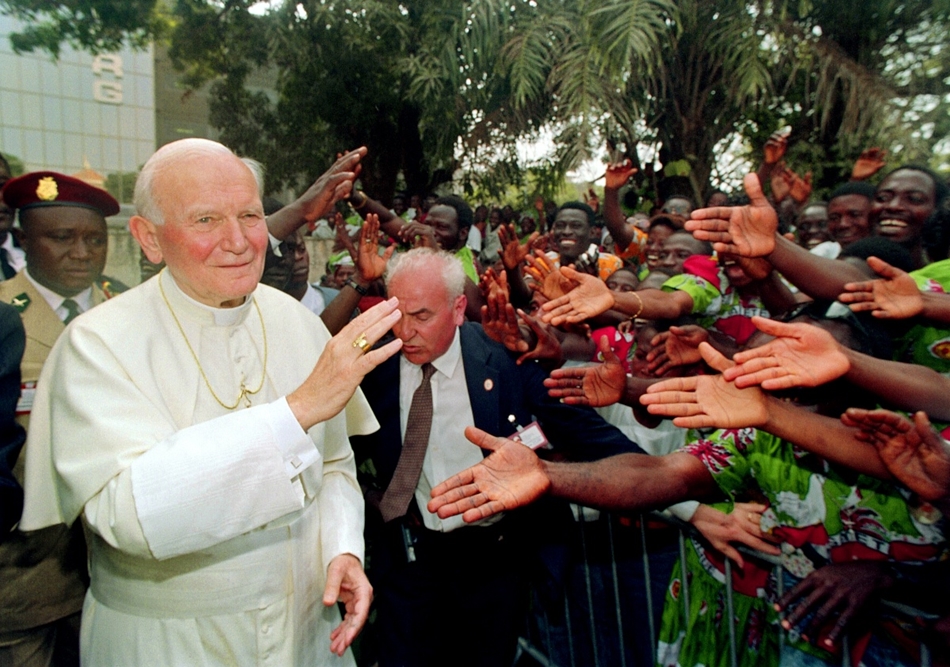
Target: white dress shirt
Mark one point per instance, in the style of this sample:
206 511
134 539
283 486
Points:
55 301
449 452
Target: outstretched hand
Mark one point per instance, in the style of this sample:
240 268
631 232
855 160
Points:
547 348
703 401
743 230
498 315
679 346
510 477
548 280
893 296
589 298
347 583
595 385
911 450
802 355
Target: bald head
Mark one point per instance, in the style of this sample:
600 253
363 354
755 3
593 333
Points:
176 155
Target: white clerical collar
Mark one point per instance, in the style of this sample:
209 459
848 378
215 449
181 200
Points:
55 301
186 306
447 363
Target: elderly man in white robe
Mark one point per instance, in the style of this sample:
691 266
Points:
198 425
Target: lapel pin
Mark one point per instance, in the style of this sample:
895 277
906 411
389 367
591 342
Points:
489 384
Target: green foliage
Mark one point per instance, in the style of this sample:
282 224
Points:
442 90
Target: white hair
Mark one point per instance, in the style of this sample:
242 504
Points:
148 204
420 261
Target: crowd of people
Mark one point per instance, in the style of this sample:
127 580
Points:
214 457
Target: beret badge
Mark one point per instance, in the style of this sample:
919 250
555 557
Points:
47 189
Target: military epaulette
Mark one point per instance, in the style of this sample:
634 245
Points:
21 302
110 286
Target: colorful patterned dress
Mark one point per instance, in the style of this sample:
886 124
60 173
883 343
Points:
822 513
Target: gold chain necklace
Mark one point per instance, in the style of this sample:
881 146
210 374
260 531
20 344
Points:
245 392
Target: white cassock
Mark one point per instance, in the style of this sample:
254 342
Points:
210 530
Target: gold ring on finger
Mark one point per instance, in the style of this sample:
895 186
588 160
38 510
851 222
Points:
362 343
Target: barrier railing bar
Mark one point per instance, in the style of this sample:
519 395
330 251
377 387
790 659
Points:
616 583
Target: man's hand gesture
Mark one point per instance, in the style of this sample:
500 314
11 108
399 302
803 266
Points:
596 385
347 583
703 401
743 230
590 297
510 477
868 163
370 265
894 296
802 355
618 174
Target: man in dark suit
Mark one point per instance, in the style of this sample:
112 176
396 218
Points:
450 375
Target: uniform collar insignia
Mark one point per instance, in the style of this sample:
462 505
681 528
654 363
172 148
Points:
21 302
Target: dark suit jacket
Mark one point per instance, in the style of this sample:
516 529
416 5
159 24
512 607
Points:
12 435
497 387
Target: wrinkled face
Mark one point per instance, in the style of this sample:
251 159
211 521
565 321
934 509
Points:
571 234
445 224
429 316
848 218
622 281
903 202
214 235
677 206
65 246
655 240
676 250
813 226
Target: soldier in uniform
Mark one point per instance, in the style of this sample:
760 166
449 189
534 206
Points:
63 233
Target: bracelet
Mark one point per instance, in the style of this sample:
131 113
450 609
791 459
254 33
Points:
355 285
640 309
362 203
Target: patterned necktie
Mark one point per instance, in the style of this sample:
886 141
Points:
406 477
72 310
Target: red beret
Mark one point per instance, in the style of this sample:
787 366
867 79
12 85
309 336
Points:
47 188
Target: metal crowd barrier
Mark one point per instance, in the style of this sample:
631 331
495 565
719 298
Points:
558 644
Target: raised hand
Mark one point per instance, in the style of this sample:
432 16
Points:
510 477
343 235
370 265
839 592
677 347
347 583
618 174
512 251
868 163
799 188
894 296
742 525
703 401
332 186
775 147
802 355
548 346
743 230
589 298
498 315
548 280
780 189
596 385
911 450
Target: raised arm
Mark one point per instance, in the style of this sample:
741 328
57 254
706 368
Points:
332 186
513 476
616 177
